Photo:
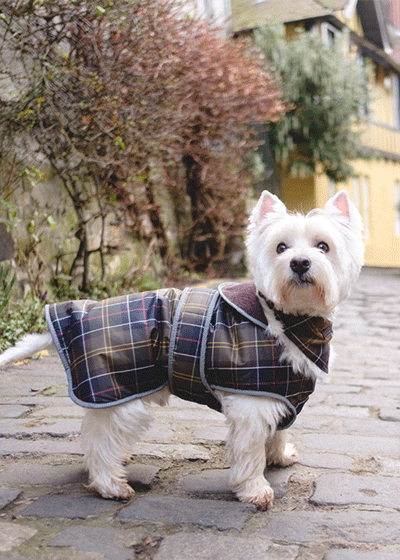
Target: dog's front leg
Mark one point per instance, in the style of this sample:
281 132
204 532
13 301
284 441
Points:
252 421
247 460
279 452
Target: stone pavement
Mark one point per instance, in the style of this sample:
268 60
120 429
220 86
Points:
340 502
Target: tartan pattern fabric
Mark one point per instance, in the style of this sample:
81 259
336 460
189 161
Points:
243 358
311 334
196 341
187 376
116 348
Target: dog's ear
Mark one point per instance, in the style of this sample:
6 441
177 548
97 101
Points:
268 206
341 202
341 209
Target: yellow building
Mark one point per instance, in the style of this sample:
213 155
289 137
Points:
376 187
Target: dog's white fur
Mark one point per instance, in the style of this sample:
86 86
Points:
276 239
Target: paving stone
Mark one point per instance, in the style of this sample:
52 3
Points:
364 399
371 427
212 433
56 475
13 446
16 558
388 389
351 525
158 432
389 414
315 424
177 511
341 411
175 451
14 534
12 410
45 426
72 507
108 543
213 481
346 554
336 388
13 388
7 496
203 546
142 474
36 399
344 489
326 461
389 465
69 410
53 475
345 443
216 481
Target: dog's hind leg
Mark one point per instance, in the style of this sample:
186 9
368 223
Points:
108 436
252 421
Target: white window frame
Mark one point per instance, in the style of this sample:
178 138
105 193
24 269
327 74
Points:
396 198
329 34
396 100
331 188
361 202
365 204
356 193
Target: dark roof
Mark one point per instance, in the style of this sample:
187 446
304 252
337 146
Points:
373 23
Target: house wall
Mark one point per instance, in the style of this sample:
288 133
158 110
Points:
375 190
382 94
299 194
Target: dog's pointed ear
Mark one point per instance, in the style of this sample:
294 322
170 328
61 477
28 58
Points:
267 206
341 202
342 210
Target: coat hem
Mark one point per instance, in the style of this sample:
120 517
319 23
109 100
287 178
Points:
283 425
67 368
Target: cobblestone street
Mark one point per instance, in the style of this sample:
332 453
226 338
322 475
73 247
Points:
340 502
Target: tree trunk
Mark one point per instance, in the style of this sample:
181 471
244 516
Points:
204 242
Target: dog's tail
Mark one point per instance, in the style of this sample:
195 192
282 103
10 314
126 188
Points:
26 347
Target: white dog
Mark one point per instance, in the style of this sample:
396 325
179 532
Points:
303 266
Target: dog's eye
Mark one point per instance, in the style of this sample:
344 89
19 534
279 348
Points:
324 247
281 248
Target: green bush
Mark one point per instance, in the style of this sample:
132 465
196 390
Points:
19 318
7 281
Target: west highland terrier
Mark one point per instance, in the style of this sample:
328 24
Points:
252 351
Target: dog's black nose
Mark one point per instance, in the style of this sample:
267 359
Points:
300 265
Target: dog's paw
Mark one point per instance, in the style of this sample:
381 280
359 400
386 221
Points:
113 490
289 457
258 492
285 459
264 500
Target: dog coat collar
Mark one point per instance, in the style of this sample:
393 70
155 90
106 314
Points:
197 341
311 335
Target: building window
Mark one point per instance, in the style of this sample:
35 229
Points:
397 208
329 34
396 98
356 193
365 208
331 188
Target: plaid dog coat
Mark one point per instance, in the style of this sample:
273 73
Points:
196 341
